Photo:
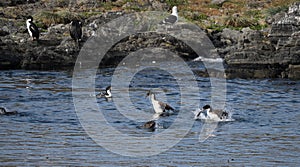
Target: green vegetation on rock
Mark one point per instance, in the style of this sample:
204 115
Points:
234 14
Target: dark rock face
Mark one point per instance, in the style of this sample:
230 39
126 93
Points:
258 54
15 2
270 53
286 27
56 49
152 40
19 51
294 71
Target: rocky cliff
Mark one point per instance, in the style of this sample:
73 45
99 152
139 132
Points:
272 52
269 53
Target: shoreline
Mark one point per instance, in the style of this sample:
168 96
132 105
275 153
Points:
269 53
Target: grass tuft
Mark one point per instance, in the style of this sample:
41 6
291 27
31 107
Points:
60 17
176 2
239 21
274 10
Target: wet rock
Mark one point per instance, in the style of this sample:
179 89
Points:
9 60
294 71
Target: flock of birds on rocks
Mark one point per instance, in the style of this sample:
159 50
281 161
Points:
162 109
75 30
75 27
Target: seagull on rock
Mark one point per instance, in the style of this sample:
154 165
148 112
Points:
173 18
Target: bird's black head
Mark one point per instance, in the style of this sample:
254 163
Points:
148 93
76 22
108 88
30 18
206 107
2 110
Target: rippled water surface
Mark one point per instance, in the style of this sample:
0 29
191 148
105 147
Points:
47 131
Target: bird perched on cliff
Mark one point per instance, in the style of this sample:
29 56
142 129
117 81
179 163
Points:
32 28
3 111
173 18
76 31
208 113
106 94
158 106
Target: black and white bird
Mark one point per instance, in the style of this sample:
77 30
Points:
158 106
76 30
4 111
208 113
106 94
32 28
173 18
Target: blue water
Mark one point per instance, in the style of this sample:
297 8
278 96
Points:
47 131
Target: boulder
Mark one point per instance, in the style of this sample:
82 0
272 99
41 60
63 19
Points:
260 55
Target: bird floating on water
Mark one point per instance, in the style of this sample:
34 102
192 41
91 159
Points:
151 125
4 111
32 29
208 113
158 106
106 94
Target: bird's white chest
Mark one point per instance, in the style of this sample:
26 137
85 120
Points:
213 116
208 115
108 95
157 107
28 28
